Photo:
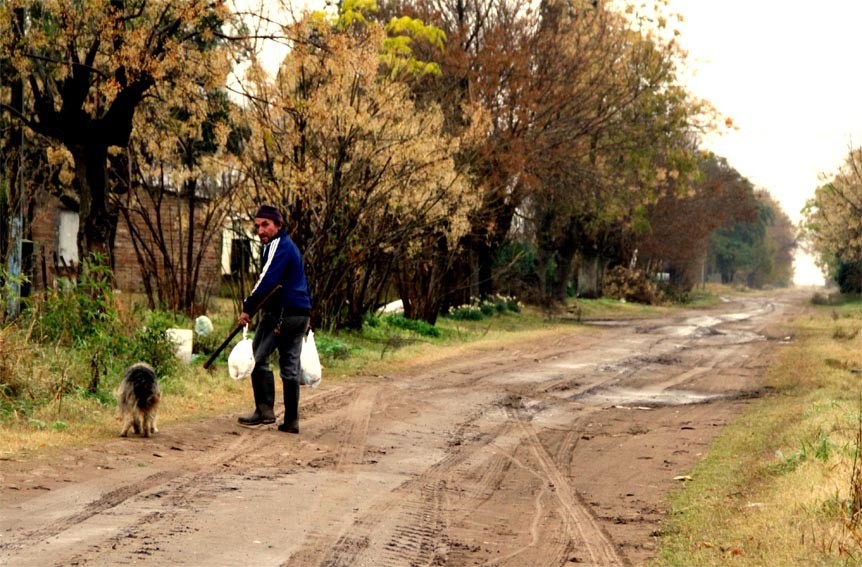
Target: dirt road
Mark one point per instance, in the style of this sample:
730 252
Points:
557 452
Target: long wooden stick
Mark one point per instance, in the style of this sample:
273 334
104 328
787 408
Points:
238 328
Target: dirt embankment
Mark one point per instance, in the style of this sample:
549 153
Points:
556 452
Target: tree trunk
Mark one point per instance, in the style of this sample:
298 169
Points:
421 283
11 248
557 249
559 284
589 278
98 220
485 256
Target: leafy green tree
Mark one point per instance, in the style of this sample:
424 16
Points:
680 223
832 224
739 246
760 249
781 243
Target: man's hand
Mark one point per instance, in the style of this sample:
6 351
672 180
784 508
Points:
244 319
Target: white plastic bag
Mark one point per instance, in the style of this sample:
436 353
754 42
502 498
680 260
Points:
203 326
240 362
312 372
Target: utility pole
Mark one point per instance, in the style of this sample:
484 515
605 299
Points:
16 195
13 263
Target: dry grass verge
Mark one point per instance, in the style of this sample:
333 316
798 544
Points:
782 485
45 404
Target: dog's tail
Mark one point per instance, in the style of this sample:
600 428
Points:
151 401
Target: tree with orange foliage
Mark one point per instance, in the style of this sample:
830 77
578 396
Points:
580 107
362 171
87 66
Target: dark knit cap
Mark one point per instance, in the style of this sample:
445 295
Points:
271 213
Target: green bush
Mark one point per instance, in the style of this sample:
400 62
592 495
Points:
151 343
478 309
420 327
9 284
84 317
465 312
206 344
331 348
76 311
848 276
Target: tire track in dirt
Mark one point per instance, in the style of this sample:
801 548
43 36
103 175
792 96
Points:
107 501
589 536
467 462
373 540
350 427
116 497
407 525
352 447
718 340
131 502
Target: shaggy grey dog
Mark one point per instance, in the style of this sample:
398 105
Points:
138 398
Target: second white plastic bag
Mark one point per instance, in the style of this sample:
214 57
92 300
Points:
312 372
240 362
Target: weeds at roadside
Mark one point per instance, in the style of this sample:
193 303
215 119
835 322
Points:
845 334
59 369
51 394
855 499
821 448
795 453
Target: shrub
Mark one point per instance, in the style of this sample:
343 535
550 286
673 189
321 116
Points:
74 312
152 345
631 285
486 308
849 276
477 309
8 285
420 327
331 348
820 299
465 312
505 303
206 344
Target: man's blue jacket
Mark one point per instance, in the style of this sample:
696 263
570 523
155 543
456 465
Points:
281 264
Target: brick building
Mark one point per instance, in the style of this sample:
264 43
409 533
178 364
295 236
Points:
54 231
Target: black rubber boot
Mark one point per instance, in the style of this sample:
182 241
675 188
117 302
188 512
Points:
257 418
291 407
263 385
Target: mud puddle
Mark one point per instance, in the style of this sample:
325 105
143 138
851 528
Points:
645 399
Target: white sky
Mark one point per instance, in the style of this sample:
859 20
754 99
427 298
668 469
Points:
787 74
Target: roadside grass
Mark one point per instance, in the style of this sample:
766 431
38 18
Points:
605 308
45 401
781 486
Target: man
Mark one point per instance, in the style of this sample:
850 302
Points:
283 321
